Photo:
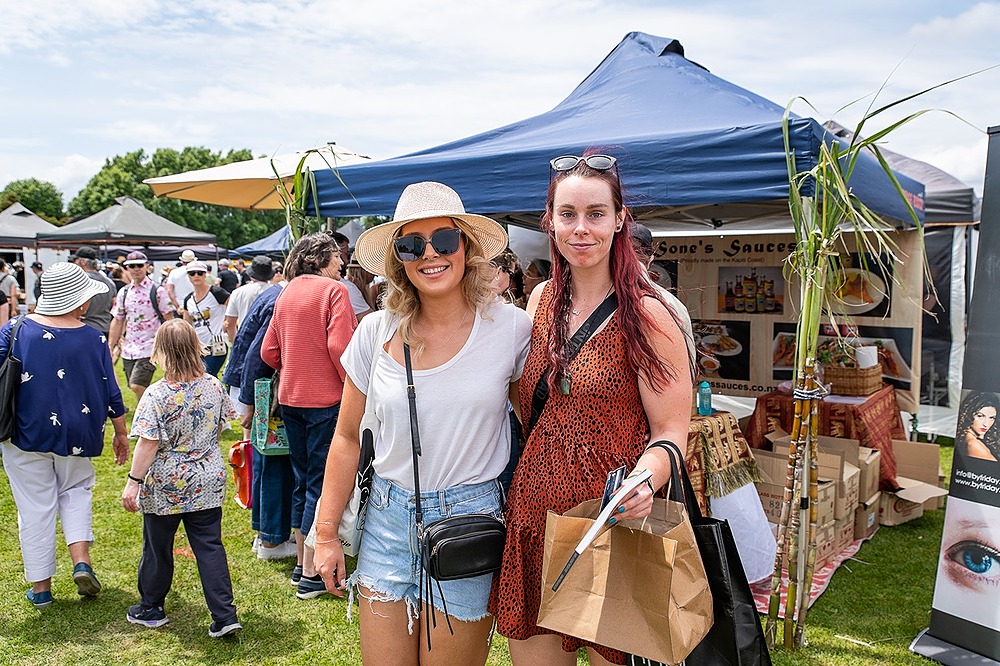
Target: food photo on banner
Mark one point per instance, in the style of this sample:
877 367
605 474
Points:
836 347
723 349
864 287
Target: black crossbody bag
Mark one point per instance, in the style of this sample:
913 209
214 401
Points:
451 548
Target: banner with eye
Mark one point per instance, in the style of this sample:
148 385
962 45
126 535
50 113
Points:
965 613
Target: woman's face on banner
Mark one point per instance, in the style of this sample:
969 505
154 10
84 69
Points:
968 580
983 420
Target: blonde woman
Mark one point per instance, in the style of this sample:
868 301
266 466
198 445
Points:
177 476
468 349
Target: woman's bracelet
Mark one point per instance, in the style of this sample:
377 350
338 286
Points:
132 478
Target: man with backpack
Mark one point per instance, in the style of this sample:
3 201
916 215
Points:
140 307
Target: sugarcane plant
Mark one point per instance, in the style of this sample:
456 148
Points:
298 191
824 212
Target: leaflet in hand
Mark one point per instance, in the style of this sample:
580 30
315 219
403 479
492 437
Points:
630 484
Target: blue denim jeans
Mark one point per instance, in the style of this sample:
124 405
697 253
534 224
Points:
273 483
214 363
309 431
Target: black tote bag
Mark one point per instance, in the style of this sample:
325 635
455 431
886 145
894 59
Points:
10 380
736 638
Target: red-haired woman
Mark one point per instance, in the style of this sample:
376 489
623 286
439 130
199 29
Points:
629 384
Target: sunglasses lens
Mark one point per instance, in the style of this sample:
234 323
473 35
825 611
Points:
564 163
446 241
409 248
196 272
600 162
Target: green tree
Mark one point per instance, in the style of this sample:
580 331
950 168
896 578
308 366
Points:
123 175
40 197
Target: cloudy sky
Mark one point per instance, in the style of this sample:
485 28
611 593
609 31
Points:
83 81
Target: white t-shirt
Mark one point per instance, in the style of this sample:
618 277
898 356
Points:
208 315
461 405
358 302
242 298
182 284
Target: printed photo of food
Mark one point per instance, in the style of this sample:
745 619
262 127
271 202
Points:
723 349
894 347
751 290
863 286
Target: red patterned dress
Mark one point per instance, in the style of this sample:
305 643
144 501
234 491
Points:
578 439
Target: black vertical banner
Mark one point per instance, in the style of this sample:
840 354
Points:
965 614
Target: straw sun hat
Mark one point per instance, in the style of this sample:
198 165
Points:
65 287
422 201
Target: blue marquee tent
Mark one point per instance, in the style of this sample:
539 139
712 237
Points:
695 152
277 243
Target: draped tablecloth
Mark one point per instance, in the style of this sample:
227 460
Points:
873 420
723 471
718 458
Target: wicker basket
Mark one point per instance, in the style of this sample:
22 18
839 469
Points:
853 381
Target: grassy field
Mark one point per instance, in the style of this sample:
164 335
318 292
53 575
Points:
873 608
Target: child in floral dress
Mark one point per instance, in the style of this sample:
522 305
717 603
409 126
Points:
178 476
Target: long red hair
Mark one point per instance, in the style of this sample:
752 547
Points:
630 282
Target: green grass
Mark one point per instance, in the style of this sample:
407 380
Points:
869 614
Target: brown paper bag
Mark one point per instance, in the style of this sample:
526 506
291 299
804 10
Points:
640 587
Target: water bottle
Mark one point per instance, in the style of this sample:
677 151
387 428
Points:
704 399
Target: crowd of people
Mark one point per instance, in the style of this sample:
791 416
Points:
524 383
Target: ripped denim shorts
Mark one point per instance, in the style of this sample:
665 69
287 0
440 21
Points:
389 561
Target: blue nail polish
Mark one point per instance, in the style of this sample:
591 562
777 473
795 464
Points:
621 509
612 521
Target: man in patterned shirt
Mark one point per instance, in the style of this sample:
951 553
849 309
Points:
139 316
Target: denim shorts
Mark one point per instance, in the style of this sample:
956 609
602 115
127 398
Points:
389 563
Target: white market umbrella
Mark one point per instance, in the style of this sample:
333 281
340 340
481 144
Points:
251 184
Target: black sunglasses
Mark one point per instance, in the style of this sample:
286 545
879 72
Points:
444 242
595 162
196 272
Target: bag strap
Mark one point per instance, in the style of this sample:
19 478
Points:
573 347
680 489
411 396
155 301
13 336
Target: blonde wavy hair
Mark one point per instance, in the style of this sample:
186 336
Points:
177 349
403 300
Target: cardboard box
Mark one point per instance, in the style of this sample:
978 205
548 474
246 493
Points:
866 517
907 503
843 535
869 461
773 468
832 468
866 459
920 461
825 544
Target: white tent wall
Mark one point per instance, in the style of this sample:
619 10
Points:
959 271
45 255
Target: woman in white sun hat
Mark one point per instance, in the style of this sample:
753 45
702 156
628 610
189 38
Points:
467 349
67 392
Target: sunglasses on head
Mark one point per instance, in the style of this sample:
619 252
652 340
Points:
196 272
444 242
595 162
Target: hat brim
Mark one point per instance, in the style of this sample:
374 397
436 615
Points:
373 245
60 306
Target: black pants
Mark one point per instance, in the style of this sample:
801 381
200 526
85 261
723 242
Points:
156 568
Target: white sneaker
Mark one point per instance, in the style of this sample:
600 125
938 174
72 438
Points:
279 552
256 543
